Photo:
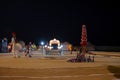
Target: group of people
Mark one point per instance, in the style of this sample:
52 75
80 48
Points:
26 50
83 56
16 47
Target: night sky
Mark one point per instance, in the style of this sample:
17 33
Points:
45 19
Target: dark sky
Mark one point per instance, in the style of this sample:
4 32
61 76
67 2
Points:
46 19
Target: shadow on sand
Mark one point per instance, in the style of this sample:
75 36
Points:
115 70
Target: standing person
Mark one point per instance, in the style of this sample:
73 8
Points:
17 49
26 50
13 41
29 50
4 45
9 47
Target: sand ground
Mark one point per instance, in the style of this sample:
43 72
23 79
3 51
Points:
39 67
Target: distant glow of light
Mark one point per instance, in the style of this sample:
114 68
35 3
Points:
59 47
45 45
42 43
50 47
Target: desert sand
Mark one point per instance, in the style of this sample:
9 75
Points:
54 67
